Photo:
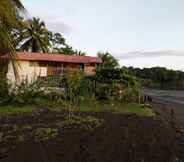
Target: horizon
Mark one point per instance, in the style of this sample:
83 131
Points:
144 34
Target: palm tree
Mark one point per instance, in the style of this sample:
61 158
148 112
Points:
9 14
34 37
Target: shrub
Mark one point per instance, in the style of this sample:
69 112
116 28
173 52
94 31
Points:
103 91
76 88
26 92
118 75
130 95
116 84
4 91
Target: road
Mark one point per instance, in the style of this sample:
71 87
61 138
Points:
165 100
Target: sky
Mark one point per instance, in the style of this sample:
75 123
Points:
140 33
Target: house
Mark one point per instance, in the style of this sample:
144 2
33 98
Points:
34 65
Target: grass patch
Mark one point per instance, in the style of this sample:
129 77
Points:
90 105
135 108
104 106
12 109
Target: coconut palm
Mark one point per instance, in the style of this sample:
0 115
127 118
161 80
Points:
34 37
9 14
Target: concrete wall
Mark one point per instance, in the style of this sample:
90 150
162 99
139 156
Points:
31 70
27 70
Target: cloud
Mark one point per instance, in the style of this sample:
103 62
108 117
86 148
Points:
145 54
52 22
59 26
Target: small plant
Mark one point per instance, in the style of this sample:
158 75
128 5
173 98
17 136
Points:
74 91
86 123
45 134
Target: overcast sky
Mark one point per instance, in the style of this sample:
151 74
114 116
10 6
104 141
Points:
140 33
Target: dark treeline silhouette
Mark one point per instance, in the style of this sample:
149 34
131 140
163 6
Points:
159 77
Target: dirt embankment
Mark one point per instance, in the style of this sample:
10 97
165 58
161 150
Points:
118 138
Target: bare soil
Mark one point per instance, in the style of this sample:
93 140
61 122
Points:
119 138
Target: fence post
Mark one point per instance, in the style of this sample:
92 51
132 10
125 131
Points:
172 117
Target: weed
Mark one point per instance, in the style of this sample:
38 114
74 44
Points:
44 134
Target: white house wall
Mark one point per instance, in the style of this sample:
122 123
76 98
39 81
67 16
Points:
26 70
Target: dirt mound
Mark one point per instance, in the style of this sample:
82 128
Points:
120 138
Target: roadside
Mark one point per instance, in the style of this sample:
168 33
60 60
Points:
168 103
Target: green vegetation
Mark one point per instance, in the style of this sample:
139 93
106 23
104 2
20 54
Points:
112 89
13 109
104 106
85 123
86 106
20 94
44 134
116 84
159 77
109 62
33 36
9 18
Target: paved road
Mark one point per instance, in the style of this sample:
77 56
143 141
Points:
165 100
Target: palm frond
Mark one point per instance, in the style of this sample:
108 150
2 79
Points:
9 50
9 15
18 5
40 36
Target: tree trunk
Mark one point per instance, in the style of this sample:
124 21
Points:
3 67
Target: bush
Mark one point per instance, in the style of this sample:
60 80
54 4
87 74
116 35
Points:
116 75
116 84
26 92
130 95
4 91
103 91
77 88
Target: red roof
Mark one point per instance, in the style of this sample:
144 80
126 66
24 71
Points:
57 57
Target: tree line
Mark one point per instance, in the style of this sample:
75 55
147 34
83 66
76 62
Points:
159 77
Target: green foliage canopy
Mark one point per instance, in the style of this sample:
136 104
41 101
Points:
9 18
34 36
109 62
159 77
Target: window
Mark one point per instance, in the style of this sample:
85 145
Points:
81 67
